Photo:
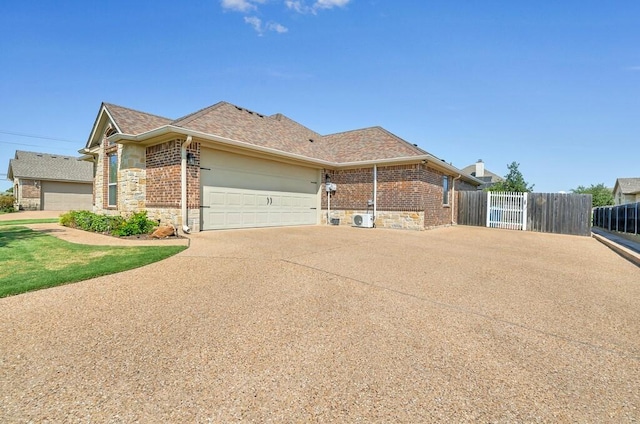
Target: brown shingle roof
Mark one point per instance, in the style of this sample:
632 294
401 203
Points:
275 132
372 143
133 121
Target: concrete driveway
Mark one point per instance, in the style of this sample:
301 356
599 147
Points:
335 324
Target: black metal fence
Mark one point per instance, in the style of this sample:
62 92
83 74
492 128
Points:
621 218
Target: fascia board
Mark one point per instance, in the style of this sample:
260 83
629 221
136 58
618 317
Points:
96 125
146 138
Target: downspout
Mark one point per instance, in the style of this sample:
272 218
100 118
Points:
453 199
183 155
375 192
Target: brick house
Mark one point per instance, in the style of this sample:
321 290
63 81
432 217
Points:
228 167
45 181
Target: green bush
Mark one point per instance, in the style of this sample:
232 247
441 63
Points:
138 223
7 203
115 225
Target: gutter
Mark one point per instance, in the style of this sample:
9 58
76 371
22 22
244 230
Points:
171 129
183 179
453 198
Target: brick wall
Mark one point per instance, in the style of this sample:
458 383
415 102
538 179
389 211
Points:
415 189
163 164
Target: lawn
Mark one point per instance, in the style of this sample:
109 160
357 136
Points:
30 260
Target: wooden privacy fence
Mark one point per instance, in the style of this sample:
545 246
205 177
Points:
623 218
558 213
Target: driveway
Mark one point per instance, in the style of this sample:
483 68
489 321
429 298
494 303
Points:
335 324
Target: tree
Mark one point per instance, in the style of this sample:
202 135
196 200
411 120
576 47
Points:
602 195
513 181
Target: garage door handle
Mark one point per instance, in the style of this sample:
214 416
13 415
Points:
205 206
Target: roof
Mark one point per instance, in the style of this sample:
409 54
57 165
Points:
48 166
471 170
130 121
629 185
225 122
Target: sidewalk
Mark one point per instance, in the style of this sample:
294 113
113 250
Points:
626 248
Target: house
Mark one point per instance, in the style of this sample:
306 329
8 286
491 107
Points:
229 167
487 177
43 181
626 190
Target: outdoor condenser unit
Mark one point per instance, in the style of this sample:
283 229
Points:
364 220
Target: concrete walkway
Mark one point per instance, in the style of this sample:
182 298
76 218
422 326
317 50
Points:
335 324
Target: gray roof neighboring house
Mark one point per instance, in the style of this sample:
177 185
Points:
628 185
48 166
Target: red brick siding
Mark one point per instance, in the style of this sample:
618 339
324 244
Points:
163 163
409 188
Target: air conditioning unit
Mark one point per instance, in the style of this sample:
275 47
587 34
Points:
364 220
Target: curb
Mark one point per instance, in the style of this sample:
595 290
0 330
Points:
628 254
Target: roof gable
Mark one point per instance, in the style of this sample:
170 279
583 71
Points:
48 166
628 185
124 121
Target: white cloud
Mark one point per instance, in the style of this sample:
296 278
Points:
261 28
240 5
330 4
274 26
300 6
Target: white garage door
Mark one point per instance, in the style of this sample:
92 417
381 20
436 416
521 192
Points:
244 192
61 196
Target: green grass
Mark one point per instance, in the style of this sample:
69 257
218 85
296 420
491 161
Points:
29 221
30 260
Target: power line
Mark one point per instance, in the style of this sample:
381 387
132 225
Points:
37 136
26 144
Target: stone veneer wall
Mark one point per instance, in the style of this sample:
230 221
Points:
409 196
149 178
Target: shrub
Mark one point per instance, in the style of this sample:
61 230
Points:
7 203
138 223
90 221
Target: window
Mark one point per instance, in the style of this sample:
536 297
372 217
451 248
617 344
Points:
113 179
445 190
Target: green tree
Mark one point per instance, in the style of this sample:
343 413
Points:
601 194
513 181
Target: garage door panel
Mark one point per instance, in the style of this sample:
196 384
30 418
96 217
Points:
60 196
238 208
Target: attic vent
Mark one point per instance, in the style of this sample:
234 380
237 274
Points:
262 116
415 145
311 140
239 108
250 112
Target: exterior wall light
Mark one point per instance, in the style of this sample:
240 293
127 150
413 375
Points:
191 159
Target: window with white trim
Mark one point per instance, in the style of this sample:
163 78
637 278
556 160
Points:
445 190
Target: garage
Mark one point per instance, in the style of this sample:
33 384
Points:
64 196
248 192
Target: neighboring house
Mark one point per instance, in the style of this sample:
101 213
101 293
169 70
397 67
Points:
44 181
228 167
626 190
487 177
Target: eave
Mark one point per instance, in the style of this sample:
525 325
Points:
169 132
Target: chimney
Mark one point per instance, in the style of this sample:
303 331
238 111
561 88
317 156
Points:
479 168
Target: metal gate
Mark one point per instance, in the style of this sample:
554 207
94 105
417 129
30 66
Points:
507 210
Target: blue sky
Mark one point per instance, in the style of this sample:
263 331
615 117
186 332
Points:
553 85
